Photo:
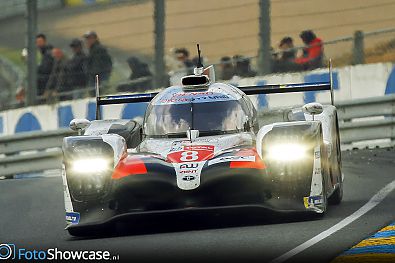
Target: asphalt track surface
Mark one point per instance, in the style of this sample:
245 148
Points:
32 217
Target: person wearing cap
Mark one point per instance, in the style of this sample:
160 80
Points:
77 69
313 53
99 61
44 69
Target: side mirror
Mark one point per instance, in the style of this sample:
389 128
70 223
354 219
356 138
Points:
313 108
79 125
192 134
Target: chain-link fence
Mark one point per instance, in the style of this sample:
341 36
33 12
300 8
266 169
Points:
227 32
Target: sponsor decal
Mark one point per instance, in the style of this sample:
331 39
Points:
232 159
188 174
316 180
188 165
72 217
176 146
189 178
188 171
311 201
193 153
197 97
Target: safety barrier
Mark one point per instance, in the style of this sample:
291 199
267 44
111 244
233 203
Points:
31 152
359 120
367 119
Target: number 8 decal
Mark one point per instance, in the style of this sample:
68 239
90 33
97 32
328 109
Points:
189 156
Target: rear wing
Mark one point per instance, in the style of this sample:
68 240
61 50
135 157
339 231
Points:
287 88
248 90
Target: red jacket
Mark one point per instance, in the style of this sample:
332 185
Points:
314 50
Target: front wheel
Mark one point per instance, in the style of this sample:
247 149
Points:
337 196
336 170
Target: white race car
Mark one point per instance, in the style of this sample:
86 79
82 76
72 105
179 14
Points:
200 147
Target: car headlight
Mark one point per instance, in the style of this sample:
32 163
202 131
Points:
91 165
287 152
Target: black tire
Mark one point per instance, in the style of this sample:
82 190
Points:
337 196
336 171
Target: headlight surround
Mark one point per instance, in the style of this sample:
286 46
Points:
287 152
90 165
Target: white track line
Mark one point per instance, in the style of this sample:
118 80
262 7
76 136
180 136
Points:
374 201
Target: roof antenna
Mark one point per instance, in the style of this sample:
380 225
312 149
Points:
200 64
199 67
97 97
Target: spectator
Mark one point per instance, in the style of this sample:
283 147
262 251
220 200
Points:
288 53
182 55
242 67
99 61
77 69
57 82
176 69
227 69
313 53
46 63
141 77
286 61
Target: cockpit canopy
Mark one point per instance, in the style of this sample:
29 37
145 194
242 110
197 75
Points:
219 109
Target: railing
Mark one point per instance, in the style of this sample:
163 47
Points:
360 120
31 152
367 119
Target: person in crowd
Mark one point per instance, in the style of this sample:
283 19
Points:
58 79
243 67
285 60
313 53
46 63
176 69
286 46
140 77
182 55
99 62
77 69
227 70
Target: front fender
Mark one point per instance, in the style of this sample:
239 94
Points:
295 174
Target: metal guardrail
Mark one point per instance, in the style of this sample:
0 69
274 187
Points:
360 120
367 119
370 107
31 152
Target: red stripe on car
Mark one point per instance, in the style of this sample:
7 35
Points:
258 164
129 165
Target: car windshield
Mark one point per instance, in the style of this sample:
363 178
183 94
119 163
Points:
209 118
